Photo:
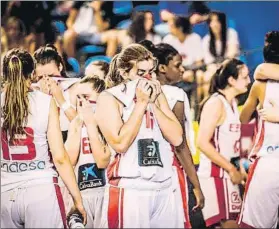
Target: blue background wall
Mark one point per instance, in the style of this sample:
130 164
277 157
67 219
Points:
252 21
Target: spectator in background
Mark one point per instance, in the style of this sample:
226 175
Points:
197 12
34 15
142 28
4 42
221 43
15 35
92 24
187 43
97 68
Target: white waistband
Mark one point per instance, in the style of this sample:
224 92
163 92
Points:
141 184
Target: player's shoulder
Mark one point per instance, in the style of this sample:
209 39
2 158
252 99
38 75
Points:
214 103
173 92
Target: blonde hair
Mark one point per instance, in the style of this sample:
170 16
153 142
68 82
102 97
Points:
18 66
124 62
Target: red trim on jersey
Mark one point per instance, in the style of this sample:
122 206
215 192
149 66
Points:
112 170
215 169
219 186
183 190
121 208
115 214
249 178
60 201
259 144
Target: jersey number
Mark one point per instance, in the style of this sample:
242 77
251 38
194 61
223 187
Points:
86 146
27 141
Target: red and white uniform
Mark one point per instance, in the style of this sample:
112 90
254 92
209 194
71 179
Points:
174 95
91 181
261 198
140 192
30 194
222 198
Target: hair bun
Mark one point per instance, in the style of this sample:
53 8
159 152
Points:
148 45
51 46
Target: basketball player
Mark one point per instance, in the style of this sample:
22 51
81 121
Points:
50 71
30 195
137 122
88 153
218 140
97 68
261 198
169 72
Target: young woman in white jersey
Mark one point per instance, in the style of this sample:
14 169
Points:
88 153
261 198
50 71
139 127
169 72
218 140
30 195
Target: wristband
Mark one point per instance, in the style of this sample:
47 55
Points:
65 106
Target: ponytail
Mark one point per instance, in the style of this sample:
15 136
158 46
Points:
113 77
219 81
16 103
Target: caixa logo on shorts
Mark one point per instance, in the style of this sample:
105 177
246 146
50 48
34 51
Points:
17 167
271 149
149 153
90 176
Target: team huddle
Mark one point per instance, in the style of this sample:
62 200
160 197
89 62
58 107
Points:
116 146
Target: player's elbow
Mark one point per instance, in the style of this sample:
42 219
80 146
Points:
120 147
102 163
60 158
177 141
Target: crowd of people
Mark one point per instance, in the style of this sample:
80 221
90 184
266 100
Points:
95 23
116 145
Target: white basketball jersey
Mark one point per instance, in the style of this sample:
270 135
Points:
226 140
267 137
28 159
149 157
174 95
88 175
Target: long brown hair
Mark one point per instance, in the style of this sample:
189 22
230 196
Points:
124 62
220 80
18 66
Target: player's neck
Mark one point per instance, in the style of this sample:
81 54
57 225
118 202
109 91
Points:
229 94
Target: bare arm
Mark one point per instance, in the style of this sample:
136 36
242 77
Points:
250 105
71 18
267 71
99 149
118 134
72 143
183 154
183 151
101 24
167 121
211 115
61 158
56 91
233 50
